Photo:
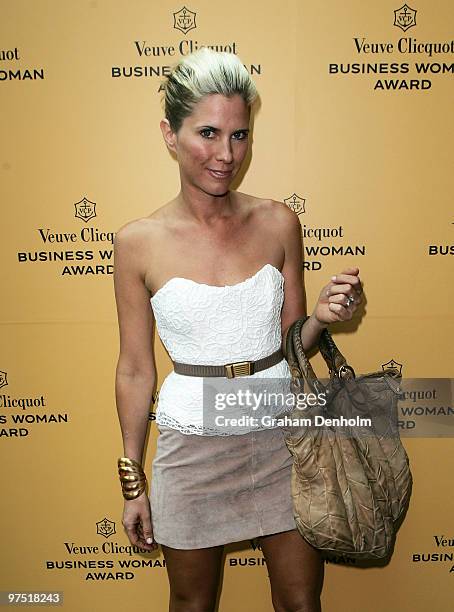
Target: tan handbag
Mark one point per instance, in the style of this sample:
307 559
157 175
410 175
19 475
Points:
350 483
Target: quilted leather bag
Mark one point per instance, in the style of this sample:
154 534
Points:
350 483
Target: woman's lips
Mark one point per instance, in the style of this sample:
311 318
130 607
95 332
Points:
220 174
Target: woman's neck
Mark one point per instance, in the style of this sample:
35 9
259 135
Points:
204 208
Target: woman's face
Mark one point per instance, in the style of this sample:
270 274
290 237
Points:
211 143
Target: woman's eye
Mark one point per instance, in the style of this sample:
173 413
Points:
206 133
209 133
240 135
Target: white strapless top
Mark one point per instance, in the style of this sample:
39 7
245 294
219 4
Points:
208 324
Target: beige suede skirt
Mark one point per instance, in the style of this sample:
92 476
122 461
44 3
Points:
212 490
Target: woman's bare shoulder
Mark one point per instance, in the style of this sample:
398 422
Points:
143 228
272 212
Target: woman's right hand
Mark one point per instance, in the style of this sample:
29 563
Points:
137 522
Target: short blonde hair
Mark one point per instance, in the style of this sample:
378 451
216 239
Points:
202 73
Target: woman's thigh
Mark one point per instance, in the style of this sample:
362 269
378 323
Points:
296 572
193 577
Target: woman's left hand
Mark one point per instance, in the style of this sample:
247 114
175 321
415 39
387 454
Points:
339 299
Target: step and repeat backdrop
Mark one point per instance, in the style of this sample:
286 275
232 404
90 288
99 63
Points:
354 133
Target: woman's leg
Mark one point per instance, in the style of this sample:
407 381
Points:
296 572
193 578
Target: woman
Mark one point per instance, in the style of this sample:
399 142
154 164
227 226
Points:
223 273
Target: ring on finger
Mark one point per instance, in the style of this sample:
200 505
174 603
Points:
350 300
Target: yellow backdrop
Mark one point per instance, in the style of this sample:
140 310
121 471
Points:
354 132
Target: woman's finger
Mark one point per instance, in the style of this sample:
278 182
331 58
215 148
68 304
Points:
354 281
147 528
351 270
136 536
342 312
335 289
146 531
131 532
346 299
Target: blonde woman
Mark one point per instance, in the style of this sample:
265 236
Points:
220 274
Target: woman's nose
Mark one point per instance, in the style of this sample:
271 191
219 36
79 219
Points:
224 152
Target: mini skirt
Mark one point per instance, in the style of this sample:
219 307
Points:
211 490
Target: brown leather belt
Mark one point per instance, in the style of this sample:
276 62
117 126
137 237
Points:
230 370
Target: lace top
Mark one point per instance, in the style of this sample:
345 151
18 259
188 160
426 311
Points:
208 324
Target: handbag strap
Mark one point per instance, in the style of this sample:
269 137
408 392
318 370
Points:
300 365
334 359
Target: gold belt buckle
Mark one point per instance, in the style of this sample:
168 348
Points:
240 368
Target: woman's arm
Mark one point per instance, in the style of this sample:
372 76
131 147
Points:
332 304
136 371
294 306
310 333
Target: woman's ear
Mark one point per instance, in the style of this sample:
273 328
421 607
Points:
168 134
